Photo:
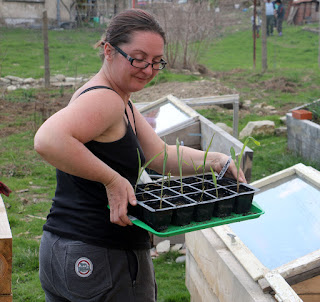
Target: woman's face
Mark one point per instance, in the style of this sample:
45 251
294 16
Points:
146 46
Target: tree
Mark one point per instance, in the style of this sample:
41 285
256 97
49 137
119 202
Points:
188 27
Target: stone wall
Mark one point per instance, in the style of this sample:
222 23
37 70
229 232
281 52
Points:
304 138
11 83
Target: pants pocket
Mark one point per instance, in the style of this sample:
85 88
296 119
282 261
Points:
87 270
133 265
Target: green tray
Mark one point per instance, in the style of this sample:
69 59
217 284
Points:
172 230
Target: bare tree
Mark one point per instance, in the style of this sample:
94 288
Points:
188 28
69 8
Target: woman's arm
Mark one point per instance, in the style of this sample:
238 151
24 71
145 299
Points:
60 141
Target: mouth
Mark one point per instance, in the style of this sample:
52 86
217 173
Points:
143 79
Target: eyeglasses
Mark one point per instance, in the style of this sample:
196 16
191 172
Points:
140 63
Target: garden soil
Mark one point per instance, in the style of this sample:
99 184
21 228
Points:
18 116
43 103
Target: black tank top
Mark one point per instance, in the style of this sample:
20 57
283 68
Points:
79 210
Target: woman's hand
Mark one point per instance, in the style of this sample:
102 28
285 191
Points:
120 192
221 160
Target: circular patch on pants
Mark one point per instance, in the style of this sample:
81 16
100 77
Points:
84 267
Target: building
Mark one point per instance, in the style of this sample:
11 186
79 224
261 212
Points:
61 13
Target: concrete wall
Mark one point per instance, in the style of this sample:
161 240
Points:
30 12
304 138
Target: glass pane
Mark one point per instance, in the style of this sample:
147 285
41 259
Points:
290 227
165 116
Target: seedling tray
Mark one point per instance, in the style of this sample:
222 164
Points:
172 230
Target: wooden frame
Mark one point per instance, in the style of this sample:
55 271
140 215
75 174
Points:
5 255
283 280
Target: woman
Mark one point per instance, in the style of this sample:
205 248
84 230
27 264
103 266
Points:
88 252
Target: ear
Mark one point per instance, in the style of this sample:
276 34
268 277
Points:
108 51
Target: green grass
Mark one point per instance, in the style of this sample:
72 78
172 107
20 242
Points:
33 183
71 52
293 78
170 275
236 51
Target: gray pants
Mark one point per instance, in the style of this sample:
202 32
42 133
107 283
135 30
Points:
279 25
270 24
73 271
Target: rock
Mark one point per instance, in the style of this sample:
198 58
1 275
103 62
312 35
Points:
153 253
181 259
283 120
28 81
11 88
224 127
183 251
281 131
246 104
270 108
14 79
163 247
71 79
176 247
60 77
257 127
5 81
259 105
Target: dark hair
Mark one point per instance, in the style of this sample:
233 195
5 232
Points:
123 25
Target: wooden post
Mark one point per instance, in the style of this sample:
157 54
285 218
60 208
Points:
264 52
46 49
5 255
254 32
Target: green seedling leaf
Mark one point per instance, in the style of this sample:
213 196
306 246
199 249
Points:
165 158
195 168
179 162
204 165
141 169
214 178
169 178
237 161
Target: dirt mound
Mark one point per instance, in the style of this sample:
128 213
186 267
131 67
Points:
182 90
281 84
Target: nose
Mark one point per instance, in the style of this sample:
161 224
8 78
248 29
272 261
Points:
148 70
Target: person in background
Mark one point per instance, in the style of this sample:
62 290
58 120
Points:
88 252
256 25
270 17
280 11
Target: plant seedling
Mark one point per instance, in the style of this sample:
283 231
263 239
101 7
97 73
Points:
195 168
169 178
204 165
165 158
141 169
214 178
237 160
179 162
